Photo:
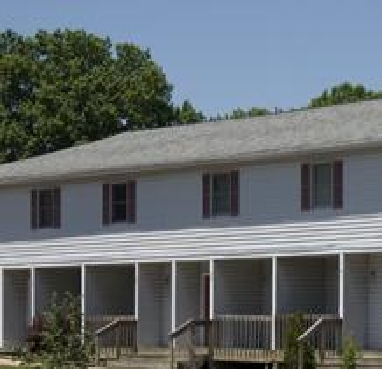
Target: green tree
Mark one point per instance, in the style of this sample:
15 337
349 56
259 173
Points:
344 93
187 113
67 87
240 113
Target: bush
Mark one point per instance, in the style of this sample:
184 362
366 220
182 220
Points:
60 342
349 354
292 345
35 335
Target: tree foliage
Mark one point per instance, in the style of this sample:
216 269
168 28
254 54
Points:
350 353
343 93
240 113
62 344
187 113
66 87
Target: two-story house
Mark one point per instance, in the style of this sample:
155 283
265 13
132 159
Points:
251 218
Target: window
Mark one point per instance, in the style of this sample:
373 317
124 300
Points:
119 202
46 208
322 185
221 194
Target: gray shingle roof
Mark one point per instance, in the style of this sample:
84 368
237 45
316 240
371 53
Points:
348 126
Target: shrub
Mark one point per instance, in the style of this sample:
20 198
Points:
58 336
292 345
349 353
35 335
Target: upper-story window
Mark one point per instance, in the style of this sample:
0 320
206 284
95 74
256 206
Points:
322 185
221 194
119 202
46 208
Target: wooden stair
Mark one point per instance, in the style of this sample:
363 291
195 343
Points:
155 358
368 360
161 359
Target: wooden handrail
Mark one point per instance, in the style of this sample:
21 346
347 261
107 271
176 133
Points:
116 335
107 327
184 326
263 318
311 329
189 326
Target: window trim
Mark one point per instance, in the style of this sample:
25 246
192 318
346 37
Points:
234 192
35 223
129 218
307 188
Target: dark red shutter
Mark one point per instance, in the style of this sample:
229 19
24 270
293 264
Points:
131 201
235 193
33 210
57 207
106 204
206 195
305 187
338 185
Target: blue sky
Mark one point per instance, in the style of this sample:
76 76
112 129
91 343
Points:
224 54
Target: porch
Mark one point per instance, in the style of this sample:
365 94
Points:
233 309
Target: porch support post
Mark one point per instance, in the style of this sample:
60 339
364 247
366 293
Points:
32 292
212 289
274 301
83 291
136 291
1 307
173 295
341 270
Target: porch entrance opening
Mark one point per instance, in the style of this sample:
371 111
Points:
363 300
192 296
109 293
243 304
307 285
154 301
17 312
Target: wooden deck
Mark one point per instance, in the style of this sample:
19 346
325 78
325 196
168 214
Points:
236 338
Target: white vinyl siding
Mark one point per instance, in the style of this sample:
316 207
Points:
154 322
363 299
16 306
308 285
110 290
241 287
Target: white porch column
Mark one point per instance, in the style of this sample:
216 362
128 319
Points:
32 291
173 295
136 291
274 301
1 307
341 276
212 289
83 291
